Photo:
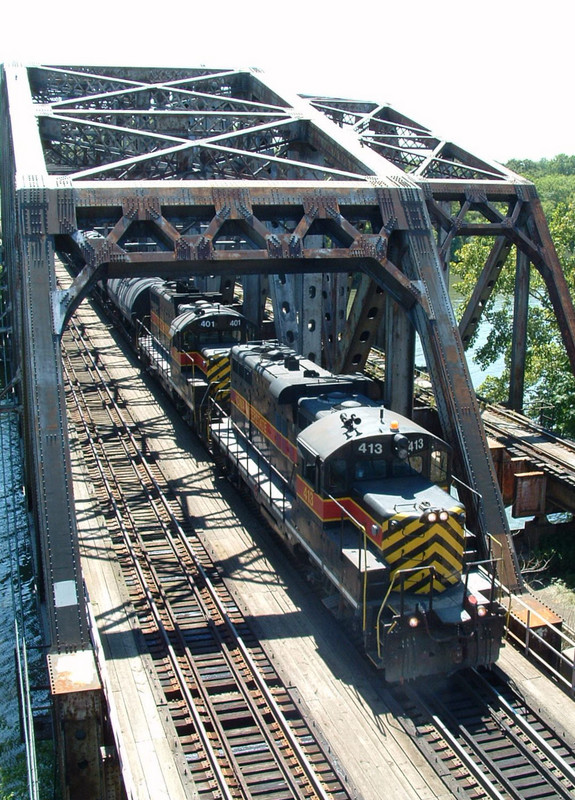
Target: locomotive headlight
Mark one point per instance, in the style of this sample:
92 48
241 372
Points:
413 622
434 515
475 606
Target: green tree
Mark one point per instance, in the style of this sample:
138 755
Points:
549 382
554 178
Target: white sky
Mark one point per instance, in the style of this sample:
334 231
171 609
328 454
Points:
494 76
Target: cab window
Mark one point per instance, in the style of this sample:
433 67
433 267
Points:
370 469
402 468
337 476
439 467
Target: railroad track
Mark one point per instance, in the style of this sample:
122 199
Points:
485 741
526 439
521 436
242 734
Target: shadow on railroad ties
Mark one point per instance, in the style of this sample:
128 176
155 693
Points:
267 568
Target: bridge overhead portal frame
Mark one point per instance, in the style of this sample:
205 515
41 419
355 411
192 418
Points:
347 209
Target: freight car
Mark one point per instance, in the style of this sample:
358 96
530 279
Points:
130 298
365 494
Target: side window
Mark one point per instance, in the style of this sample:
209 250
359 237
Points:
439 466
309 472
336 476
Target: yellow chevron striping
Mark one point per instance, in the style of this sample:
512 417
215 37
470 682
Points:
219 374
420 581
402 544
443 569
218 367
433 553
427 549
406 527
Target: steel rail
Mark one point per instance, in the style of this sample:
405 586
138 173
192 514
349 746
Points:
532 451
529 730
494 741
282 722
200 728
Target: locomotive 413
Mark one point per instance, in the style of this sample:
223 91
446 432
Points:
366 495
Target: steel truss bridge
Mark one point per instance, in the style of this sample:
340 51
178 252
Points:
342 212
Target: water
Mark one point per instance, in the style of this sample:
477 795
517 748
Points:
18 604
477 374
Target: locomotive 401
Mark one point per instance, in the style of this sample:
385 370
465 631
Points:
184 337
364 493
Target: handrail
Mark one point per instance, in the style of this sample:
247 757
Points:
536 620
402 573
363 530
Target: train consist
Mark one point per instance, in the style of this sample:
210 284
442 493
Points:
362 493
184 337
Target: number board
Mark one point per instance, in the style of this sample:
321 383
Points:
416 443
220 322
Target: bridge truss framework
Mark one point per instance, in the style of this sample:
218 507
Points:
343 212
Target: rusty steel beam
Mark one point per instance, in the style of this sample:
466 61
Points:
549 266
519 343
484 289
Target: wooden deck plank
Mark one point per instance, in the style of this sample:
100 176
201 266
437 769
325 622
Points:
152 768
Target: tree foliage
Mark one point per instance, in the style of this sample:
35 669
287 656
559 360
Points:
549 382
532 170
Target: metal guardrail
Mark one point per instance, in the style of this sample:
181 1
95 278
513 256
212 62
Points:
27 718
548 645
